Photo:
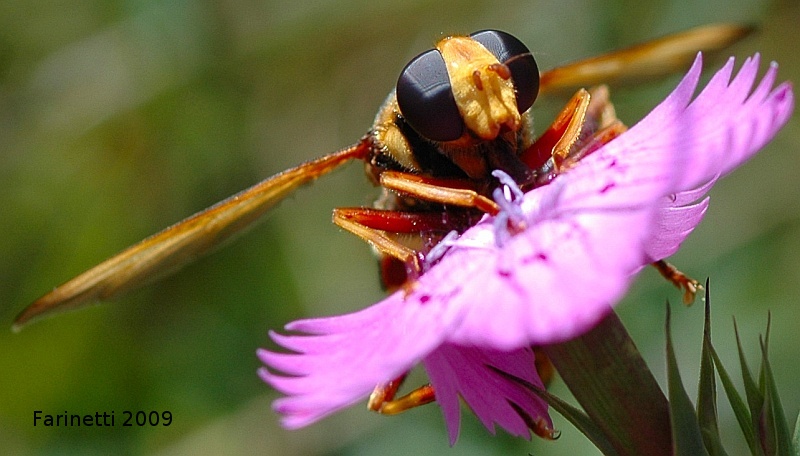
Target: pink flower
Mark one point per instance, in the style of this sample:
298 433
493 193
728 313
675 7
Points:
572 251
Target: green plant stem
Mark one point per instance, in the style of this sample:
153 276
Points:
608 377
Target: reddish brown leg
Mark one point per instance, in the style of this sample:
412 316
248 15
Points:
382 399
384 393
539 425
544 367
442 191
420 396
357 221
680 280
587 122
375 225
400 221
559 137
372 225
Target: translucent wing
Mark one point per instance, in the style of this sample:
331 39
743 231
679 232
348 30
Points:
182 243
644 61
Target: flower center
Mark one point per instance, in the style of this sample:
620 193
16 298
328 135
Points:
510 221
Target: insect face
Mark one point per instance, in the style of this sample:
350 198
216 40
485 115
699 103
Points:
468 88
460 110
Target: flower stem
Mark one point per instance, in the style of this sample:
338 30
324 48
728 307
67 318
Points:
608 377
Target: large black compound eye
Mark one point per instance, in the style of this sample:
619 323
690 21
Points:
425 97
511 52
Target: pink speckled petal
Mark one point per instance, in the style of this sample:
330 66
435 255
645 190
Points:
464 371
342 358
569 256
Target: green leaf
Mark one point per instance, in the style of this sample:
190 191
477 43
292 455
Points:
687 438
777 418
738 405
608 377
796 437
767 428
754 394
574 415
707 389
762 368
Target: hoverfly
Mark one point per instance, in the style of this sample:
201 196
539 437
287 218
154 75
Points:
458 112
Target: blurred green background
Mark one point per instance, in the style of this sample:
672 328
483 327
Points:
118 118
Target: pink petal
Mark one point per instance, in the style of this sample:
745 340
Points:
586 233
498 291
722 128
590 229
464 371
675 220
727 124
346 356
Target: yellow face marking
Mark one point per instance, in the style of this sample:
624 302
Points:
482 87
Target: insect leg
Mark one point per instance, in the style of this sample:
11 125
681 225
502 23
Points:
680 280
371 224
556 141
586 122
382 399
420 396
437 191
376 225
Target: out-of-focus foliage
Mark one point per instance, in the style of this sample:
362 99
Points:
119 118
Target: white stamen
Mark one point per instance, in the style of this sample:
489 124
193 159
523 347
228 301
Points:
508 184
510 220
438 250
